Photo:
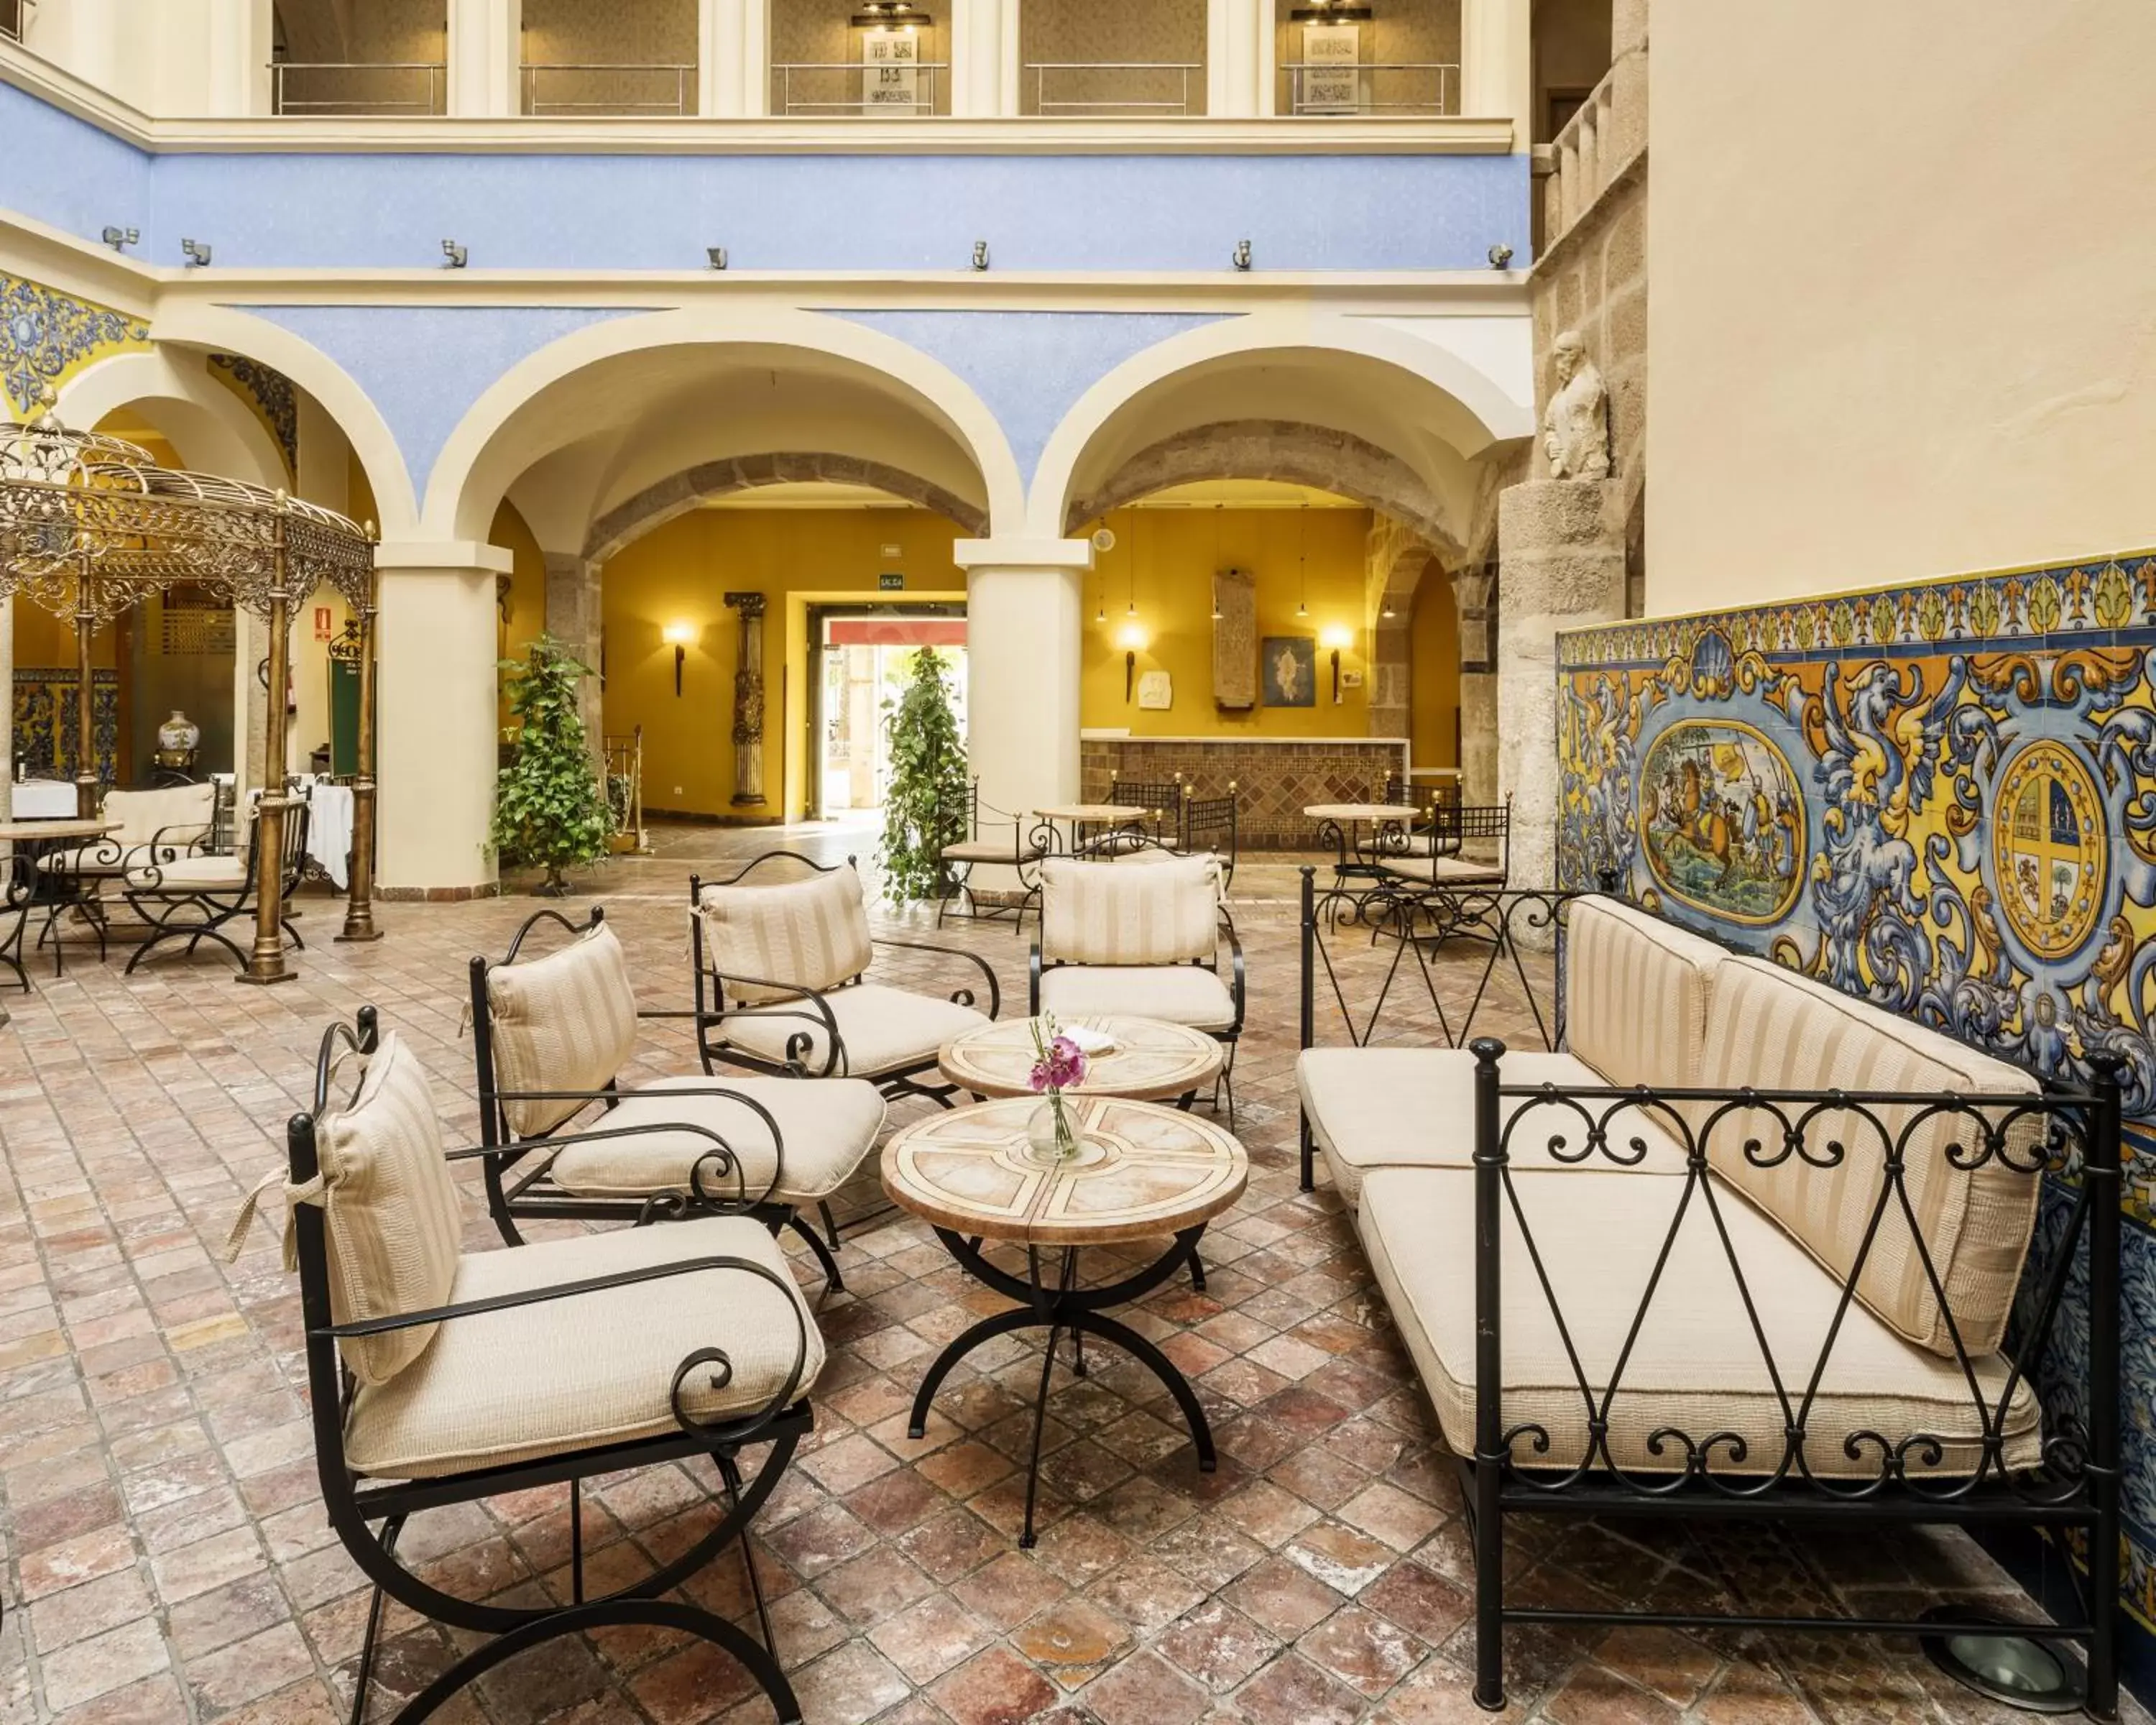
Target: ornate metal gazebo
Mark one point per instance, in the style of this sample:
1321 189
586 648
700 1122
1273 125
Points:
89 525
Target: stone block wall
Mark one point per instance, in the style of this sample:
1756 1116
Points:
1274 781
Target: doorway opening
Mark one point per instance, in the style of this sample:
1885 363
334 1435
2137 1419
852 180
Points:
864 658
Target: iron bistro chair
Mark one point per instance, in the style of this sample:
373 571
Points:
438 1376
1159 801
552 1034
194 897
984 843
1210 827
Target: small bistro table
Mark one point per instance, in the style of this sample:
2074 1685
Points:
27 887
1144 1172
1079 816
1152 1060
1356 872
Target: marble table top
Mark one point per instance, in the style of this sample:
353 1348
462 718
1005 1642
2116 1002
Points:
1152 1061
1147 1171
38 832
1362 811
1088 812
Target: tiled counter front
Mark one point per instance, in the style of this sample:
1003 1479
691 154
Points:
1274 781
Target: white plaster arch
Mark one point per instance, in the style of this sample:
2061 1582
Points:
209 426
484 455
1469 409
224 329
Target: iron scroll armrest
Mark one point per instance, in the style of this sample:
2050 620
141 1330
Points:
735 1432
722 1155
1235 962
964 997
798 1045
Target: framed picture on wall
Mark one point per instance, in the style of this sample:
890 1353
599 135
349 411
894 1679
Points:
1287 670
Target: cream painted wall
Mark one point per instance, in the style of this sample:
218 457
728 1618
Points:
1902 321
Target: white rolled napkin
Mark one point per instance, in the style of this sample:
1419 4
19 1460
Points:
1090 1042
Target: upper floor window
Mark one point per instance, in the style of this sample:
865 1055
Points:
1378 58
386 57
622 57
13 15
1111 59
836 59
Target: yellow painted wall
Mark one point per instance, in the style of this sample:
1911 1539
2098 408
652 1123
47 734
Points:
1171 554
528 595
681 572
1434 674
1900 322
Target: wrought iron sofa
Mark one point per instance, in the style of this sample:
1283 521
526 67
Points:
1742 1246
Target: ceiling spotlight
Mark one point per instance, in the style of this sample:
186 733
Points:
1242 254
980 254
718 254
196 252
120 238
1500 255
456 253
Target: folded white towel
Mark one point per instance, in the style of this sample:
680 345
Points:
1090 1042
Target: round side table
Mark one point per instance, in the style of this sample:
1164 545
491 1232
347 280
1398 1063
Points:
1145 1171
1152 1060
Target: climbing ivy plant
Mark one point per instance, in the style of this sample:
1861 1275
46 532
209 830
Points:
925 806
549 809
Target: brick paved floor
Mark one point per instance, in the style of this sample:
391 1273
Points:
165 1558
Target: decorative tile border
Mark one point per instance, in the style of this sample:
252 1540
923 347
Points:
47 336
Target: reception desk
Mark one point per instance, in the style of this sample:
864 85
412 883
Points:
1275 777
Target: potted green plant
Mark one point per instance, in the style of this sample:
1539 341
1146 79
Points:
924 807
549 809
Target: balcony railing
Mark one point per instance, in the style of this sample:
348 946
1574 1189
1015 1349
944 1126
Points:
1105 88
592 87
803 89
14 18
1383 87
342 87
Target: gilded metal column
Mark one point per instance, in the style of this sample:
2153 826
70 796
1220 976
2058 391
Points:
86 699
266 962
359 899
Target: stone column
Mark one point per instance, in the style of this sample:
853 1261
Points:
486 58
1024 605
239 39
574 618
438 746
748 701
1497 66
1475 595
1561 543
981 58
733 59
1388 692
1232 28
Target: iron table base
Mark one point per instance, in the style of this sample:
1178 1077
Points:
1064 1307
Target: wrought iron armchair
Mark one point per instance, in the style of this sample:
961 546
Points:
193 898
828 1020
592 1324
550 1038
1002 842
1210 826
1159 801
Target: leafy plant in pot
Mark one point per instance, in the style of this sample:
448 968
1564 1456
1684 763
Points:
549 809
925 806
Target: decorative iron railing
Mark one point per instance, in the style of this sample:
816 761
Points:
1108 89
338 87
592 89
1385 87
840 88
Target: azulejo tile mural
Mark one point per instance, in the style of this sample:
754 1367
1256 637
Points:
1940 796
269 395
46 336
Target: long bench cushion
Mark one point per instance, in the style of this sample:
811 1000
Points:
1772 1029
558 1376
1635 993
1696 1366
1415 1107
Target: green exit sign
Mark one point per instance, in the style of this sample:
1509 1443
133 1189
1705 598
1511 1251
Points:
890 583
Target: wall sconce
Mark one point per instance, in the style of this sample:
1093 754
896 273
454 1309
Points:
677 635
1132 639
1336 636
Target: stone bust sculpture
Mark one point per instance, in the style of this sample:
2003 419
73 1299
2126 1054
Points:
1576 426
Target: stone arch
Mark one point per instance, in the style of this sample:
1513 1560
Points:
208 424
655 505
1286 450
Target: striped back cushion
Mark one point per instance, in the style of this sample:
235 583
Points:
389 1211
810 933
144 814
1770 1029
566 1021
1101 913
1635 991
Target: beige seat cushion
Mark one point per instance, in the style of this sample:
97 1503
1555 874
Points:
1006 849
560 1376
808 933
825 1125
1770 1029
1697 1365
1415 1107
1181 993
1096 913
1447 871
192 874
564 1021
389 1211
1635 993
882 1030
